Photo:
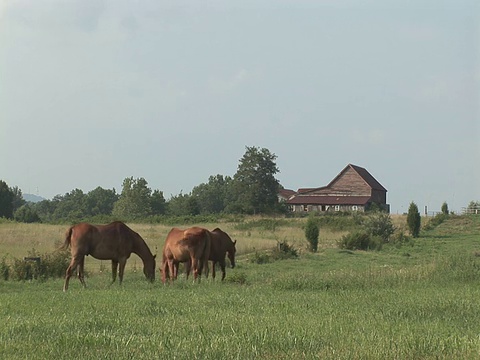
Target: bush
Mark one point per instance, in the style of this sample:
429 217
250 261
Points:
380 224
311 233
260 258
4 269
413 220
284 251
51 265
237 278
360 240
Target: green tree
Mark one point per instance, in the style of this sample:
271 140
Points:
445 208
254 187
71 207
101 201
26 214
134 201
211 197
183 204
413 220
312 233
7 197
158 203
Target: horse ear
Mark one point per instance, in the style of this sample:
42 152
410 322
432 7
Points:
154 256
234 242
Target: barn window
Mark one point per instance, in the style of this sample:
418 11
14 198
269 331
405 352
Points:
305 207
354 207
337 207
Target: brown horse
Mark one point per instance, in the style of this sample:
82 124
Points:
115 241
222 245
188 246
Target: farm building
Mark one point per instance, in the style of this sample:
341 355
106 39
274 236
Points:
353 189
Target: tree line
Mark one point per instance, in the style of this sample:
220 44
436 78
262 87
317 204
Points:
252 190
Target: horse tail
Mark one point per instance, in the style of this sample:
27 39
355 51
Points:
68 239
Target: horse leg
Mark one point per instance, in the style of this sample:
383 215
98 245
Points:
68 274
121 271
213 269
114 270
81 273
222 266
195 269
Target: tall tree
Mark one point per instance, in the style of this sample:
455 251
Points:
134 201
254 187
211 197
101 201
7 197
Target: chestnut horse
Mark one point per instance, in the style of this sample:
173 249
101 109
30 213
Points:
115 241
188 246
222 245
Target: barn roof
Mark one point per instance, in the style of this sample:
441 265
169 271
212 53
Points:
364 174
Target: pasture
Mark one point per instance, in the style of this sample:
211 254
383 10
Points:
416 300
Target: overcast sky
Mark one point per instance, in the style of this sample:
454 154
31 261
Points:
93 91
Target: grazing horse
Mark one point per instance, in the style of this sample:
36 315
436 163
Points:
188 246
222 245
115 241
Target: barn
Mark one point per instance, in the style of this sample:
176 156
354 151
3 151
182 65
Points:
353 189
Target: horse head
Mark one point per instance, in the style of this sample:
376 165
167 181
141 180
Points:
149 269
231 253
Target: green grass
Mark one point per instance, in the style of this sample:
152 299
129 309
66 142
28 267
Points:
417 301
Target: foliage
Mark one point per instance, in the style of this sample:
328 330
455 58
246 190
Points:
445 208
260 257
134 202
237 278
284 251
4 269
379 224
211 197
413 220
264 224
26 214
183 204
7 197
49 265
312 233
254 189
360 240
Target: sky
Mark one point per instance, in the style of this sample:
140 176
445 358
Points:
95 91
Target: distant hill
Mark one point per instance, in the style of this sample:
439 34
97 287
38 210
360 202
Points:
32 198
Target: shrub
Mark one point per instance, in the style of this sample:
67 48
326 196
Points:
237 278
380 224
284 251
52 265
260 258
360 240
413 220
4 269
445 208
311 233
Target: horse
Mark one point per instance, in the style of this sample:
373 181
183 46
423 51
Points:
189 246
115 241
222 245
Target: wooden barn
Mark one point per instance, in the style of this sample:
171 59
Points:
353 189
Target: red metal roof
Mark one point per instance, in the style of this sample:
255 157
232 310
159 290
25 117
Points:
329 200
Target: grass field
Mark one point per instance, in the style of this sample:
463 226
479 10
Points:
416 301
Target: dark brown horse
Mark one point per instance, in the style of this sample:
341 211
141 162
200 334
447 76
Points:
222 245
187 246
115 241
